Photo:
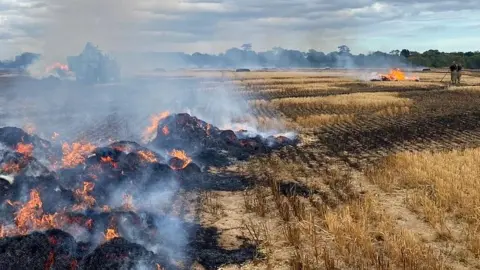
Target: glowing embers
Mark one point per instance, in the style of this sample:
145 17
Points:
10 168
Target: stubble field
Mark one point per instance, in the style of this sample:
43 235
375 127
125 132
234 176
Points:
386 176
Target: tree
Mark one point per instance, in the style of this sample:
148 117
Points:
343 49
405 53
246 46
395 52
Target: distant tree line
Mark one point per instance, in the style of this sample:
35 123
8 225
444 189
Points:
20 62
245 57
436 59
277 57
342 58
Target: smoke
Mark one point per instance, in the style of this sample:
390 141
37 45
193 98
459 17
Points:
367 67
67 25
102 113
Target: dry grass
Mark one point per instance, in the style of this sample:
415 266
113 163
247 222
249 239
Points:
393 111
442 188
352 100
300 233
311 210
313 121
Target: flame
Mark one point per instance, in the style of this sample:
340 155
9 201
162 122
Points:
127 202
180 154
149 132
29 128
87 201
31 217
159 267
25 149
165 130
55 66
75 154
11 168
110 234
397 75
109 160
147 156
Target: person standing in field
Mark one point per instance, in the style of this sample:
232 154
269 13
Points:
459 72
453 72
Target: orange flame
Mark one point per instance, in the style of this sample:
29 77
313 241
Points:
31 217
149 132
87 201
110 234
147 156
397 75
57 65
109 160
180 154
75 154
25 149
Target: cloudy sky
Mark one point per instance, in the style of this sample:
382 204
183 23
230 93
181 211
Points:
61 27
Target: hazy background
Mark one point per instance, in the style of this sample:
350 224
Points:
57 28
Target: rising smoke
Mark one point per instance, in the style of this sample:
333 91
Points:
102 113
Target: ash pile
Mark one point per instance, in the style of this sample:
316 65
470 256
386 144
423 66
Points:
84 206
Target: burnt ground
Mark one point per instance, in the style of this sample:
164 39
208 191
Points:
439 120
201 245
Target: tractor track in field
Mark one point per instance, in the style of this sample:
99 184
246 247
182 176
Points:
294 93
368 140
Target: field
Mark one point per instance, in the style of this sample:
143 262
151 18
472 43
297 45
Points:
386 176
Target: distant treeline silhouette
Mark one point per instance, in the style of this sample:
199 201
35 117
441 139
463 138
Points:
21 61
245 57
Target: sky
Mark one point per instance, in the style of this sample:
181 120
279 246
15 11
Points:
62 27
